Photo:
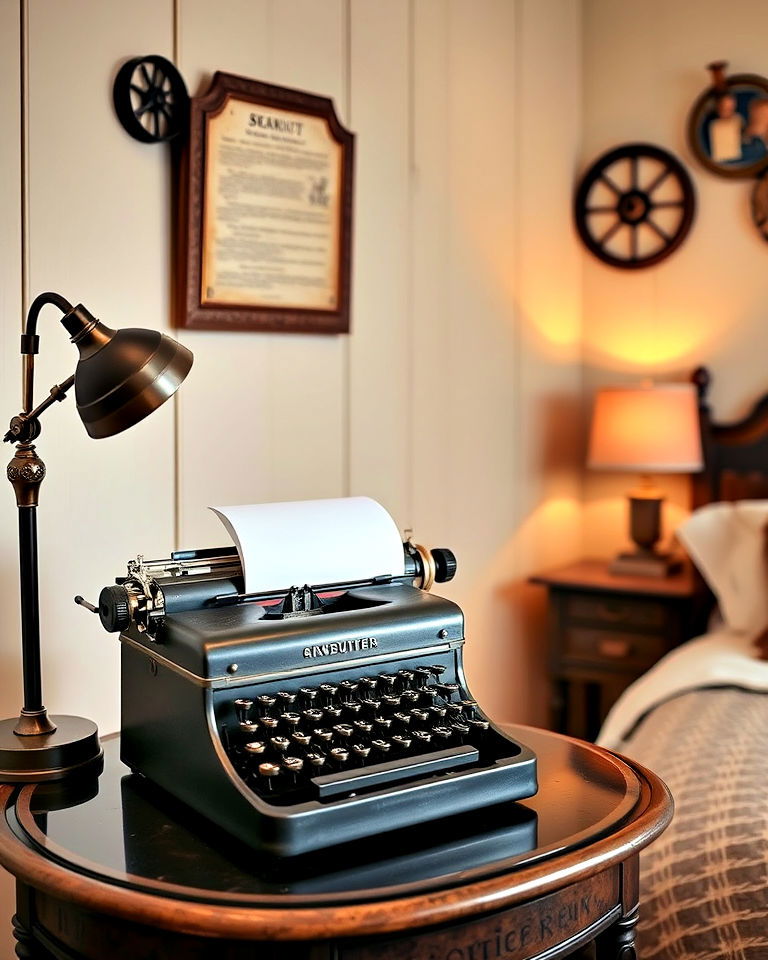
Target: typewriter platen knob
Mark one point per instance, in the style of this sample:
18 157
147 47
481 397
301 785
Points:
114 609
445 564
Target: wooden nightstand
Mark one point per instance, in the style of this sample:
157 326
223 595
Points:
607 630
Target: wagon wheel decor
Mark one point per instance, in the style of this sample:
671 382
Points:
151 99
634 206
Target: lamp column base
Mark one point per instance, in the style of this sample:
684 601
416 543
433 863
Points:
72 748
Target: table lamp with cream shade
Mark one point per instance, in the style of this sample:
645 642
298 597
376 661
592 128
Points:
646 429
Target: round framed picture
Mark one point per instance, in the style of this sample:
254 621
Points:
760 206
728 124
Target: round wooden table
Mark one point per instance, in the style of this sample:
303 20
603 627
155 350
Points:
116 869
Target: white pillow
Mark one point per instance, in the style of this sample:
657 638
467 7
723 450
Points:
727 542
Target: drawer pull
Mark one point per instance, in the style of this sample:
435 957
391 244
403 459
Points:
614 649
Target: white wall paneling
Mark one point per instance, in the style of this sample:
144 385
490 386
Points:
265 413
707 302
10 377
440 402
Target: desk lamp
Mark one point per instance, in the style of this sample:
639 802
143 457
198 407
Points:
120 378
646 429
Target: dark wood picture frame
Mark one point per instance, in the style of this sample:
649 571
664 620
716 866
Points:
737 84
189 309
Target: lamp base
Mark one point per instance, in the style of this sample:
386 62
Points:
72 748
644 563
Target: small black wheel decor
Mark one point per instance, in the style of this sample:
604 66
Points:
634 206
151 99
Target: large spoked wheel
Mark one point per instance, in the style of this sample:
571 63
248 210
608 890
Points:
151 99
634 206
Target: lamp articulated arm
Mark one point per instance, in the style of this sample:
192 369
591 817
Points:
122 376
26 427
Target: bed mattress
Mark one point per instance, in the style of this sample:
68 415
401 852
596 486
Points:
704 882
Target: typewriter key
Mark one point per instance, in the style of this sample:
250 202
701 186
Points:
436 713
406 679
383 724
343 731
313 716
478 726
469 707
249 729
339 755
381 746
436 669
361 751
409 698
454 710
243 709
255 748
265 702
315 759
294 766
390 703
442 733
352 708
368 685
387 682
423 676
422 736
461 729
332 714
420 716
428 695
371 706
328 691
280 744
291 720
348 689
323 735
401 742
301 739
447 690
363 727
404 719
268 771
269 723
308 695
285 699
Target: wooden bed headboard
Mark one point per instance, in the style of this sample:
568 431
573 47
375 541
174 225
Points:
735 454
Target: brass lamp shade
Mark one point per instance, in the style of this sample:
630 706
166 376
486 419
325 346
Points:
122 375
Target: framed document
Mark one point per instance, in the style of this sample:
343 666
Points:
265 211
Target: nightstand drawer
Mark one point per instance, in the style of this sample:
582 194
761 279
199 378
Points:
616 611
613 647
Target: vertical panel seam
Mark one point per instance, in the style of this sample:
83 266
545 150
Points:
346 390
410 465
24 152
176 53
517 339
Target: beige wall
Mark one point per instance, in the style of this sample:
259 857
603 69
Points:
708 303
464 355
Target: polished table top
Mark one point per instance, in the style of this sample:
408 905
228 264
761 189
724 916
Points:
124 832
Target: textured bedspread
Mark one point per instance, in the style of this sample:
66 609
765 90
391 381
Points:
704 882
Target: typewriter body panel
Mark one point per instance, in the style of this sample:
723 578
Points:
304 731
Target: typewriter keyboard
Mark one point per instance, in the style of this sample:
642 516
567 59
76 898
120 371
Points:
339 739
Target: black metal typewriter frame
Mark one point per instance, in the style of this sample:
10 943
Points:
174 730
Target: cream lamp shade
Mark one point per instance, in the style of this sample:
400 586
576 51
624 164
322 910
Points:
652 428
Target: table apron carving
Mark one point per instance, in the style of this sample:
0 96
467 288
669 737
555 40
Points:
564 917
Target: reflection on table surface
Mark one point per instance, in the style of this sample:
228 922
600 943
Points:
123 824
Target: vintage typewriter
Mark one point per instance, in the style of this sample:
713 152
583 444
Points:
310 716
